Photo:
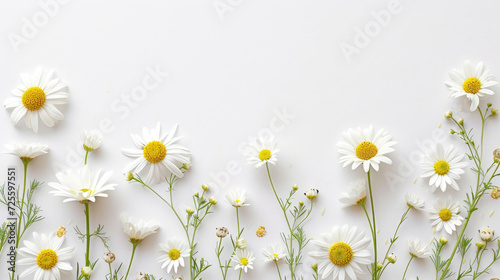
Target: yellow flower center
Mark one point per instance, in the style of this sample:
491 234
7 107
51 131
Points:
472 85
155 151
237 201
244 261
174 254
441 167
264 155
46 259
275 256
33 98
361 201
366 150
340 254
445 214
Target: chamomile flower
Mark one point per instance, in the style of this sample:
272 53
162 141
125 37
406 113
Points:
243 259
365 147
413 201
443 166
37 97
91 140
137 230
262 151
445 215
355 195
26 152
236 198
471 83
173 254
417 249
274 252
45 257
341 252
158 153
82 184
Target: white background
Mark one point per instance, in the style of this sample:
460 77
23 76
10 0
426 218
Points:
229 73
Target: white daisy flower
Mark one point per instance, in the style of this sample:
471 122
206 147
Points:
274 252
45 257
444 166
137 230
413 201
341 252
355 195
158 153
365 147
236 198
37 97
473 83
445 215
243 259
418 250
174 252
82 184
262 151
92 140
26 152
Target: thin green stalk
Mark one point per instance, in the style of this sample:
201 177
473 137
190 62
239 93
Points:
406 269
305 218
86 154
134 246
87 220
393 239
374 226
241 270
18 236
278 268
218 258
110 272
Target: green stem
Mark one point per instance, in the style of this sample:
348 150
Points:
87 220
110 272
86 154
406 269
134 246
393 239
18 236
278 268
241 270
218 258
303 220
374 226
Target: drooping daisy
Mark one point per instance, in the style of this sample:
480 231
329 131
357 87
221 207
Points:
37 97
158 153
444 166
473 83
274 252
413 201
173 254
262 151
355 195
91 140
445 215
45 257
341 252
418 250
236 198
365 147
243 259
82 184
26 152
137 230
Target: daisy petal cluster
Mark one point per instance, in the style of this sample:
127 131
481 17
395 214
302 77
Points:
445 215
355 195
237 198
37 98
173 254
158 154
418 250
413 201
137 230
443 166
25 151
473 83
262 151
243 259
274 252
366 147
92 140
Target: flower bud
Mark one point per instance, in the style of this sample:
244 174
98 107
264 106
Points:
392 258
205 187
480 245
241 243
109 257
448 114
314 266
452 131
221 232
494 112
129 176
261 231
496 154
486 233
190 211
295 187
311 194
196 194
142 276
489 104
212 200
301 203
379 265
443 240
61 231
185 166
461 121
87 271
495 193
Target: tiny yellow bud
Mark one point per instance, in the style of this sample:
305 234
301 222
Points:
314 266
261 231
495 193
379 265
301 203
489 104
212 200
190 211
452 131
443 240
196 194
129 176
461 121
392 258
448 114
295 187
205 187
480 245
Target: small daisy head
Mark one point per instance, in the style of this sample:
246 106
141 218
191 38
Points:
273 252
495 193
414 202
311 194
137 230
173 254
205 187
37 97
391 258
26 152
109 257
473 83
236 198
486 234
92 140
221 232
86 271
448 114
355 195
61 231
444 166
190 211
262 151
445 215
443 240
261 231
212 200
480 245
417 249
366 147
241 243
496 155
295 188
243 259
